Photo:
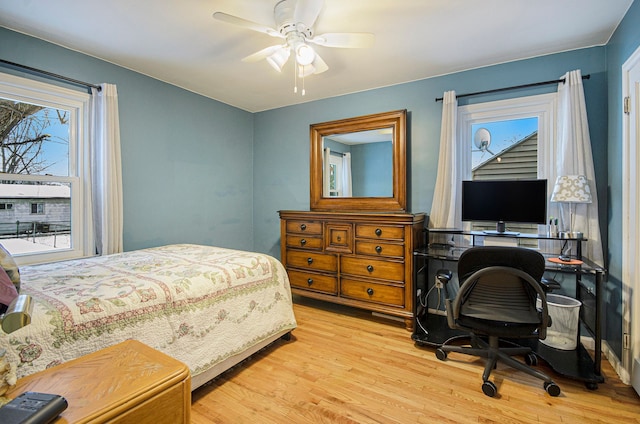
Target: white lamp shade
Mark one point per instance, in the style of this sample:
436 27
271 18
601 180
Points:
305 54
571 189
279 58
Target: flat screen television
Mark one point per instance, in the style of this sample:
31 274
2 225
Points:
500 201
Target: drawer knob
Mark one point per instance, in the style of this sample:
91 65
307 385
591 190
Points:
378 232
370 268
310 281
370 291
303 242
379 249
309 261
303 227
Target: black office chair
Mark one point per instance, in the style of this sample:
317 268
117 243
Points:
497 301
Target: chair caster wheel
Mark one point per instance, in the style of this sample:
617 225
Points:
489 389
441 354
552 388
531 359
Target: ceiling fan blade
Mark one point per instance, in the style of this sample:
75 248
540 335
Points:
345 39
264 53
234 20
319 64
307 11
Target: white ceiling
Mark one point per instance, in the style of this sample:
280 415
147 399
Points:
179 42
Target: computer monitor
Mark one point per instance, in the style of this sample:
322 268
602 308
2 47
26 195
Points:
500 201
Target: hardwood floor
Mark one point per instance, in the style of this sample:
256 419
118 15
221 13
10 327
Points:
344 365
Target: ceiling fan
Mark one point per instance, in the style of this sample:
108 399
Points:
294 22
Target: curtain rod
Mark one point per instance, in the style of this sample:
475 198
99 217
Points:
515 87
51 74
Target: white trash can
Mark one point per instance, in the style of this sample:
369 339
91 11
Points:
565 317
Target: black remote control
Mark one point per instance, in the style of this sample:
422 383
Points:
33 408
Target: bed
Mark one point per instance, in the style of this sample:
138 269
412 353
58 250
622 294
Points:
206 306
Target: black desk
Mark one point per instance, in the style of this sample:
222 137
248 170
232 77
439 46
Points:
432 329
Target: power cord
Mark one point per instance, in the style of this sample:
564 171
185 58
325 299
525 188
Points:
423 301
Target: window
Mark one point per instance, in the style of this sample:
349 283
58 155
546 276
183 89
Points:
6 206
508 139
37 208
335 176
42 170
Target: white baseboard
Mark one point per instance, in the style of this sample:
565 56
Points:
635 378
588 342
615 362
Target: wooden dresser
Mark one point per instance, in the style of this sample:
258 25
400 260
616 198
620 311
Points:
128 383
361 259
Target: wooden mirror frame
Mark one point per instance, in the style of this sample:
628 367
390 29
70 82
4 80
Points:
397 120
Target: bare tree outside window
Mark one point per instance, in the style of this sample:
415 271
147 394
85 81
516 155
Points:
32 138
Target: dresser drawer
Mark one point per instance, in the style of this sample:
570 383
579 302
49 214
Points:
312 261
304 242
374 268
372 292
310 281
338 238
379 232
304 227
376 248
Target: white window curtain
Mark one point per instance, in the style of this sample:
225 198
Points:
574 157
346 175
443 209
326 172
106 170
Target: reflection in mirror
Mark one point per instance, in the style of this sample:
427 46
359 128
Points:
358 164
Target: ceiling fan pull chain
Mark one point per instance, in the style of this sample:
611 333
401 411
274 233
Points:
295 76
303 90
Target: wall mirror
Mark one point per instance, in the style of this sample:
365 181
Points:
359 163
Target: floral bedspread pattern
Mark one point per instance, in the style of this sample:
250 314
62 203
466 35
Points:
198 304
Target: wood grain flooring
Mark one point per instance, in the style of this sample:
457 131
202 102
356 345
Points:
344 365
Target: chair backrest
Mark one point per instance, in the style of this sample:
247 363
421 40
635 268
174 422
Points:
476 258
501 284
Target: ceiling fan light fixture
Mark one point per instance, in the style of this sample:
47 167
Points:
305 54
278 59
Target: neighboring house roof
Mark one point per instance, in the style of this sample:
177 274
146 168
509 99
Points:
31 191
518 161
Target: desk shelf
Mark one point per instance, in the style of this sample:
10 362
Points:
432 329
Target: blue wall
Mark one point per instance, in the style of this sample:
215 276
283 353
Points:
187 161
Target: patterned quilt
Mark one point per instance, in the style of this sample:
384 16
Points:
198 304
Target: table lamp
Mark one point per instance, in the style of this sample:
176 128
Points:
17 315
571 189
